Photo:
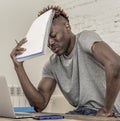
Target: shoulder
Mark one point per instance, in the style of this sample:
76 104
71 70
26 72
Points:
87 33
87 38
49 65
52 60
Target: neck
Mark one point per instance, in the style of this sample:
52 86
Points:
71 44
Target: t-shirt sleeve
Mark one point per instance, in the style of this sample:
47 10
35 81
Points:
47 70
87 39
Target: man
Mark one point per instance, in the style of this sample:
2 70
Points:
86 69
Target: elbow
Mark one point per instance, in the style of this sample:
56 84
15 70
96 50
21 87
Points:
38 108
38 105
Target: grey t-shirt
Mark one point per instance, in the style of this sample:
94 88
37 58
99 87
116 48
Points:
80 77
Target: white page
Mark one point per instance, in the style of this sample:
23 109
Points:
37 36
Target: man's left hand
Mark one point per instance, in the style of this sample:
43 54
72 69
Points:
104 113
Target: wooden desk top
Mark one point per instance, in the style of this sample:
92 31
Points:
67 118
30 119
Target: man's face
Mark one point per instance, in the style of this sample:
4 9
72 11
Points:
59 39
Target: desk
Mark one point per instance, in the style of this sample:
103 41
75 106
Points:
29 119
67 118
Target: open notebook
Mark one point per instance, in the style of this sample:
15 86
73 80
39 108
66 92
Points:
6 107
37 36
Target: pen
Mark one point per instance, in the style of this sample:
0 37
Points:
16 42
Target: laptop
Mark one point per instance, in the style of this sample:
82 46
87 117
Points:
6 107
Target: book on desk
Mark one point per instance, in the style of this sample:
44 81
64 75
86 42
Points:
37 36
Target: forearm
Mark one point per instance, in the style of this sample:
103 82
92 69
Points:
34 97
112 87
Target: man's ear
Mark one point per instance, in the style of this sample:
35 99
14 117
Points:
68 27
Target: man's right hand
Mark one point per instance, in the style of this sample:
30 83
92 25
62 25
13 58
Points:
18 50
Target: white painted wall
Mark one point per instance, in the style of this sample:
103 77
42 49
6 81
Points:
15 19
103 16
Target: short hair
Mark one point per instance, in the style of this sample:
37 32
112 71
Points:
58 12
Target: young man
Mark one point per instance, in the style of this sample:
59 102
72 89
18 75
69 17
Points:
86 69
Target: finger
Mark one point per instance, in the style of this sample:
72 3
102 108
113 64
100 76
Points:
24 40
19 51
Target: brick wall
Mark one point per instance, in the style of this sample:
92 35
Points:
102 16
